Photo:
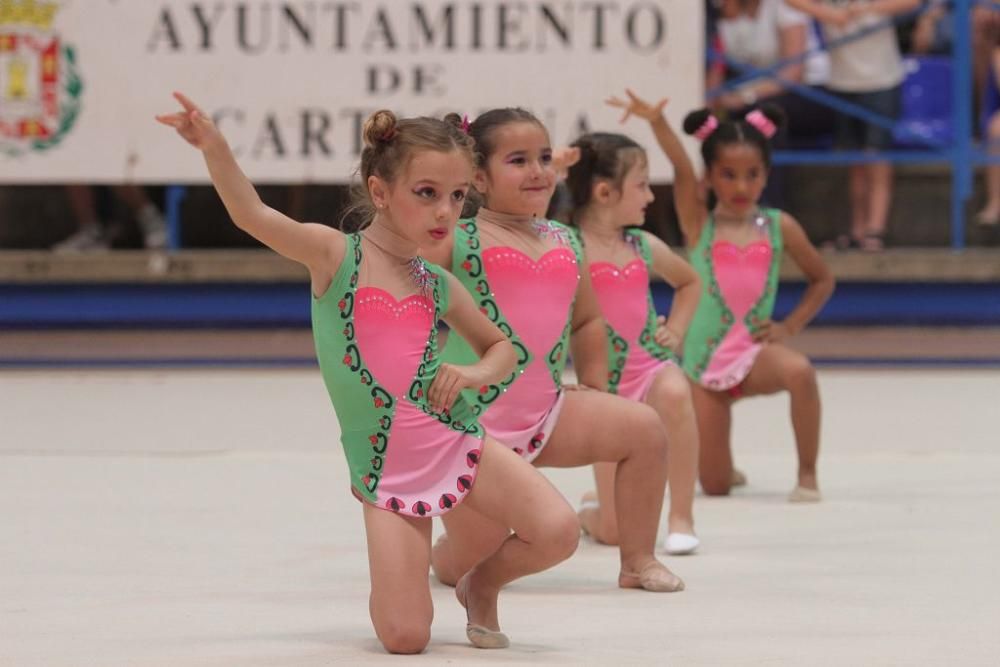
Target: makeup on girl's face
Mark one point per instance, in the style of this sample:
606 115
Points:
738 176
427 198
519 177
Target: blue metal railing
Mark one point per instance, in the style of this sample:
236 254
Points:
961 153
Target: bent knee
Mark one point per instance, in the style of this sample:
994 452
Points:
561 534
676 388
801 374
404 638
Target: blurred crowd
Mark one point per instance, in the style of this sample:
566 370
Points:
796 54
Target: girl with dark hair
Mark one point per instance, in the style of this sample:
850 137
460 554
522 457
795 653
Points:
413 445
733 348
610 189
526 274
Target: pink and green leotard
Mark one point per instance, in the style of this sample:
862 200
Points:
531 301
634 356
378 356
739 287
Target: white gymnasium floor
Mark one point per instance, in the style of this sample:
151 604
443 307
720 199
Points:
202 518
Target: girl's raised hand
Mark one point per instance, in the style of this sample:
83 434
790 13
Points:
192 124
563 159
636 106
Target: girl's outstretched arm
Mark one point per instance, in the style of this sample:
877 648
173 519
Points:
497 357
589 337
687 290
319 247
691 209
821 284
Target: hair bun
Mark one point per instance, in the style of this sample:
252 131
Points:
695 120
379 128
775 114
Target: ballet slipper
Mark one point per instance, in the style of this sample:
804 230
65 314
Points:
737 478
681 544
801 494
481 637
655 577
478 635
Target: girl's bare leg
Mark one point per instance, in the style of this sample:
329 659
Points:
593 427
597 427
398 558
598 514
779 368
510 492
670 396
713 411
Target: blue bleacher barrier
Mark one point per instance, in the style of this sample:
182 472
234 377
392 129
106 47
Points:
934 88
926 112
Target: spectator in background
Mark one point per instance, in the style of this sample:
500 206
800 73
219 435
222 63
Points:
761 33
935 32
989 216
867 72
91 234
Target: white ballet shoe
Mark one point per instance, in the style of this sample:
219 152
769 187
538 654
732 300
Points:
681 544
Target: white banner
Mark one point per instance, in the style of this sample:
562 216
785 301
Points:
290 83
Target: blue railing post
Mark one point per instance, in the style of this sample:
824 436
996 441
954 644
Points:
175 195
963 161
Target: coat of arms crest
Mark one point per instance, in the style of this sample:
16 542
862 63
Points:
40 85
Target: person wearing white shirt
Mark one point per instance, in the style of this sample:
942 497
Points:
867 72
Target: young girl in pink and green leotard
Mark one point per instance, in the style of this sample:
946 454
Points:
609 185
527 275
414 447
733 348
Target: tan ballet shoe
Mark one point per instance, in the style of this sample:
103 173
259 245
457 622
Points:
737 478
481 637
478 635
801 494
655 578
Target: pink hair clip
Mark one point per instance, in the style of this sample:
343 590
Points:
764 124
466 124
710 125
